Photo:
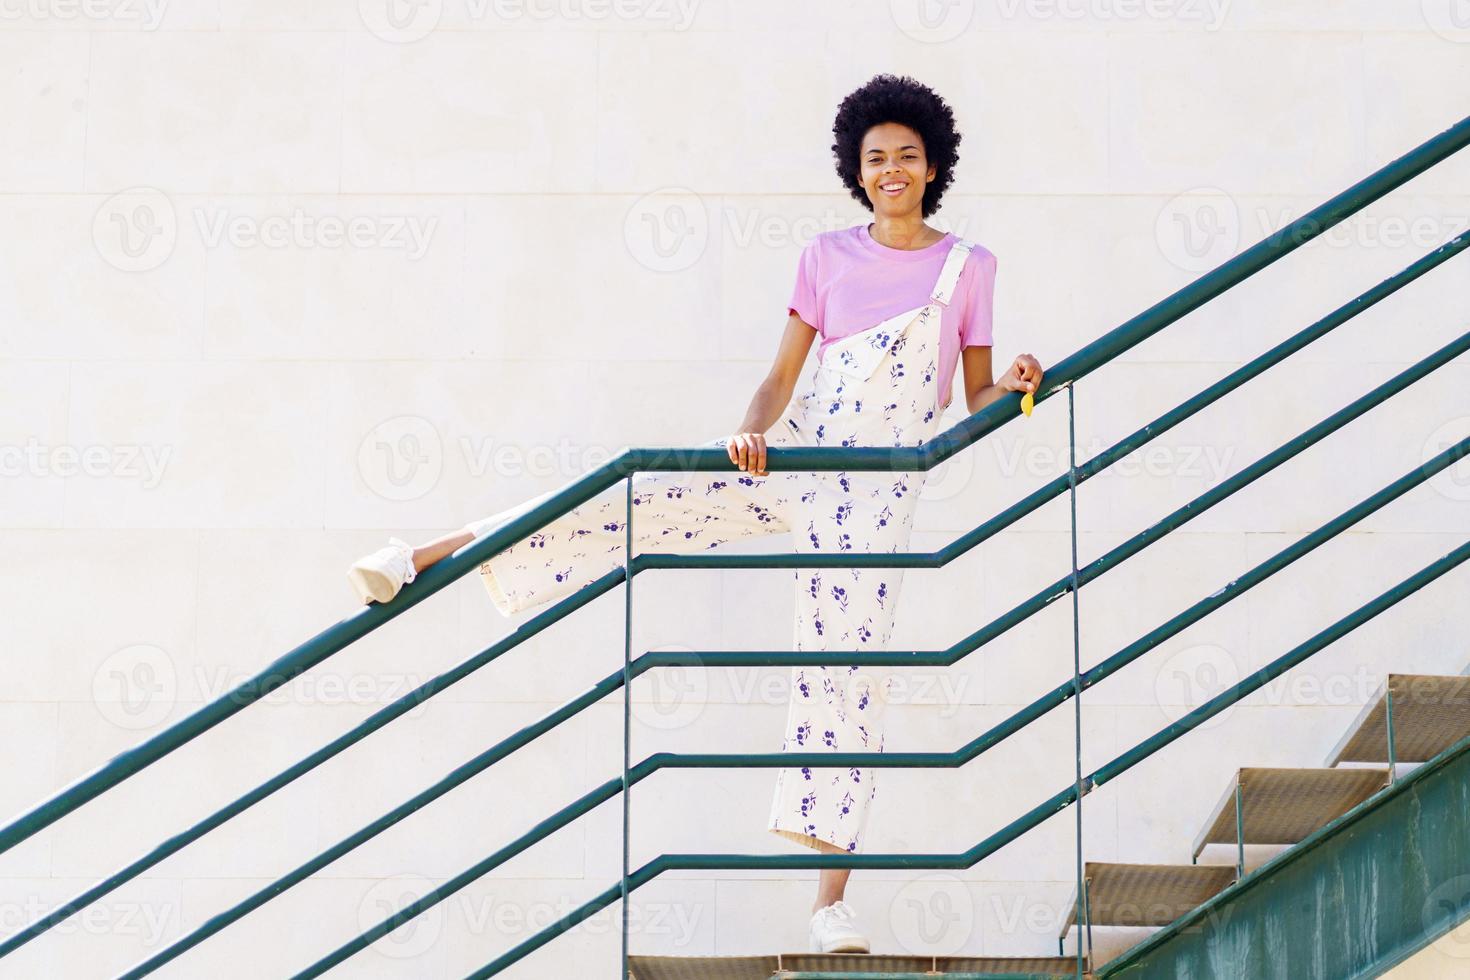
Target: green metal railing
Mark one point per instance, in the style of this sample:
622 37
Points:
924 457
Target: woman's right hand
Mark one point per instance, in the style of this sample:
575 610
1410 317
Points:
747 450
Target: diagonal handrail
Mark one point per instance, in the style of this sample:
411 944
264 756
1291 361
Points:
960 757
924 457
1032 818
612 683
814 759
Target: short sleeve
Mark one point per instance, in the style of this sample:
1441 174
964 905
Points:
804 294
976 330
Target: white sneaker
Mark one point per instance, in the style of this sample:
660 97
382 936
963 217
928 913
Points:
834 930
379 576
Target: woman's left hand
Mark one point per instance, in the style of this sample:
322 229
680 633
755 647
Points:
1024 375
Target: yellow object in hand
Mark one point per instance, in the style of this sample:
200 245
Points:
1028 402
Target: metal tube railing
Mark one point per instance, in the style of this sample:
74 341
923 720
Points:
956 759
1094 569
609 685
925 457
1034 817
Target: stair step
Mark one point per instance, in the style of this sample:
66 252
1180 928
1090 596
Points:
799 966
1430 713
1284 806
1145 894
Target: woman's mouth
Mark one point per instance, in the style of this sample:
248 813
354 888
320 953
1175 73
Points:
893 188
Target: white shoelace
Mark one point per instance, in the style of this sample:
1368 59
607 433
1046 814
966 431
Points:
406 555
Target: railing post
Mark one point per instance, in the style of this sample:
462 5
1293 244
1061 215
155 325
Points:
627 703
1084 911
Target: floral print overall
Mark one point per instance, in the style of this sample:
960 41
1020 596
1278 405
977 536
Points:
877 387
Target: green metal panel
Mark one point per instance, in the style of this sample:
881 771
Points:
1352 900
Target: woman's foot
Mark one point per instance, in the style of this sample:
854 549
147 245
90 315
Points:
378 577
834 930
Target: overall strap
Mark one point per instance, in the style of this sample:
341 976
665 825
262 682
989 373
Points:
950 274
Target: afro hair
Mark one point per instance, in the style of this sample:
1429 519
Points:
899 99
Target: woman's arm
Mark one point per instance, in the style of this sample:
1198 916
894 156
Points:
747 447
1024 374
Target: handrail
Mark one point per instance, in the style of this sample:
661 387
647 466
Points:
957 759
924 457
1033 817
644 663
613 682
814 759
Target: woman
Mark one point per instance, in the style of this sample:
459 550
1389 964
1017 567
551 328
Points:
896 303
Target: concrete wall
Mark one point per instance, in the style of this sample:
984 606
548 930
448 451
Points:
280 279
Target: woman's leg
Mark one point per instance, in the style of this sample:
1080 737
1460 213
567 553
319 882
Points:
831 885
429 552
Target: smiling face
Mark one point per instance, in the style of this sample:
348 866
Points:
894 170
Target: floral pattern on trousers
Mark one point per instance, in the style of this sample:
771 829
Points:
876 387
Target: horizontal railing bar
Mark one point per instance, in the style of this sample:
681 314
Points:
1034 817
955 759
946 444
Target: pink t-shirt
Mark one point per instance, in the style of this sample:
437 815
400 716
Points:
847 282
